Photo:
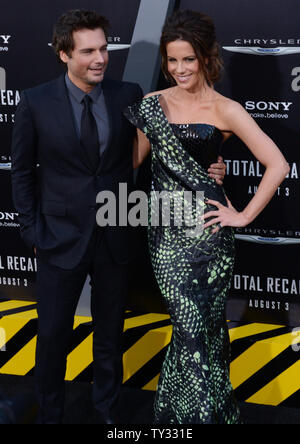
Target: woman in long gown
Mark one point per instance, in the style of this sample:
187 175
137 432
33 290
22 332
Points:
185 126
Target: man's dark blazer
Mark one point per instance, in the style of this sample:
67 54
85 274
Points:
54 186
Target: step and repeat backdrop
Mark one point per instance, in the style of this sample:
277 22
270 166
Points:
260 43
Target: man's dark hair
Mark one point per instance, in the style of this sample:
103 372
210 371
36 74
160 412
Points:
75 20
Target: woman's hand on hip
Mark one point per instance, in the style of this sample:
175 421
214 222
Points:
223 216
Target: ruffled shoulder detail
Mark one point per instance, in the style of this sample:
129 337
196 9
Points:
143 113
136 115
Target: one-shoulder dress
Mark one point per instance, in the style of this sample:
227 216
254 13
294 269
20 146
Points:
193 272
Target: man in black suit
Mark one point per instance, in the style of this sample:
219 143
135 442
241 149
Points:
70 142
56 202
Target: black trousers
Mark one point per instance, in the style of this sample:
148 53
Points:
58 293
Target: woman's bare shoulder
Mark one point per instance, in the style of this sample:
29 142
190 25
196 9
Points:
226 105
234 115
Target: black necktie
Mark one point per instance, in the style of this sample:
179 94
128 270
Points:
89 133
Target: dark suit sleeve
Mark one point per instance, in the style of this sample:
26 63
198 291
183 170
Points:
23 153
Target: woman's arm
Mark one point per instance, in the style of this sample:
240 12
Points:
267 153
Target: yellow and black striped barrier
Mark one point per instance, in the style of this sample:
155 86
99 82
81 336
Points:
265 366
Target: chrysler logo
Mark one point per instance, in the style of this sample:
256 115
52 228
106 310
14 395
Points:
267 240
112 46
5 166
255 50
117 46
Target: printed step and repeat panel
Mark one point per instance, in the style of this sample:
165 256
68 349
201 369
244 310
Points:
261 51
261 48
26 60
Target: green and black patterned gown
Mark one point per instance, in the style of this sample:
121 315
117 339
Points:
193 273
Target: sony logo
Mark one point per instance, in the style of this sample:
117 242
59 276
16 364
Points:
270 106
5 39
8 216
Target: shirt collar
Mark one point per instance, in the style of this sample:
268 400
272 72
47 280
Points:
78 94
